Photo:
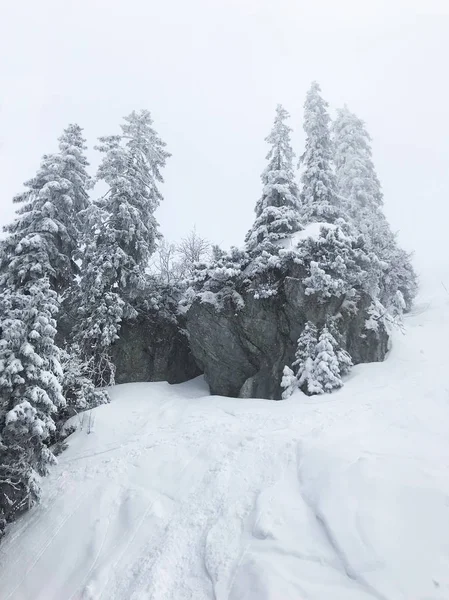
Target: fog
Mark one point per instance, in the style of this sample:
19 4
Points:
211 73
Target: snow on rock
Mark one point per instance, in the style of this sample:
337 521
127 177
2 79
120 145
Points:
177 495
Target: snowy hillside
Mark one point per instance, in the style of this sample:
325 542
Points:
176 495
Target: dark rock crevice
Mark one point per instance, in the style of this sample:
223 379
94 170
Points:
151 349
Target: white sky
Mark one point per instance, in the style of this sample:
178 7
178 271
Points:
211 72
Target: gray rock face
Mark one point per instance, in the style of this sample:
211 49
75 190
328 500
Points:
243 351
153 350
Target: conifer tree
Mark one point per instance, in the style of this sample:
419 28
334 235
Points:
304 360
319 363
303 364
357 181
77 385
44 238
360 190
326 367
320 201
289 382
37 263
121 235
277 211
398 277
30 389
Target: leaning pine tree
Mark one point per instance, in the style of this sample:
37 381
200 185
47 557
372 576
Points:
120 237
319 198
277 211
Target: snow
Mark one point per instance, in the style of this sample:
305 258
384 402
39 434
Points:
177 495
312 230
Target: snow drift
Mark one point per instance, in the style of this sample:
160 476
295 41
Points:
175 494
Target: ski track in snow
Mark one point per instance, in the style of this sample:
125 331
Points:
176 495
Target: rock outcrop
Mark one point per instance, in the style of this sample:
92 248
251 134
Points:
151 349
243 347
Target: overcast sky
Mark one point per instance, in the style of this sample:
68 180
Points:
211 73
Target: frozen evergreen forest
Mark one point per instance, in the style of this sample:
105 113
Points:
166 492
72 256
224 300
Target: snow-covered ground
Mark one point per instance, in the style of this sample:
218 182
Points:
177 495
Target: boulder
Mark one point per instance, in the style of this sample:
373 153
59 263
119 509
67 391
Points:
242 348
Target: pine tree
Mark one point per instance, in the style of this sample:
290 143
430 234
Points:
121 235
337 265
74 165
77 386
399 276
304 359
37 264
44 238
301 374
357 181
326 367
320 201
131 167
344 358
217 252
277 211
306 345
356 177
319 363
289 382
30 390
360 189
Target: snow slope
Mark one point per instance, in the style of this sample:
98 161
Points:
177 495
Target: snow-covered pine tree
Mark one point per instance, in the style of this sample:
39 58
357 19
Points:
289 382
360 190
100 313
217 252
277 211
319 197
121 236
131 167
319 363
37 263
77 386
301 374
44 238
357 181
399 276
344 358
72 147
326 366
337 265
358 184
304 360
30 390
306 345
